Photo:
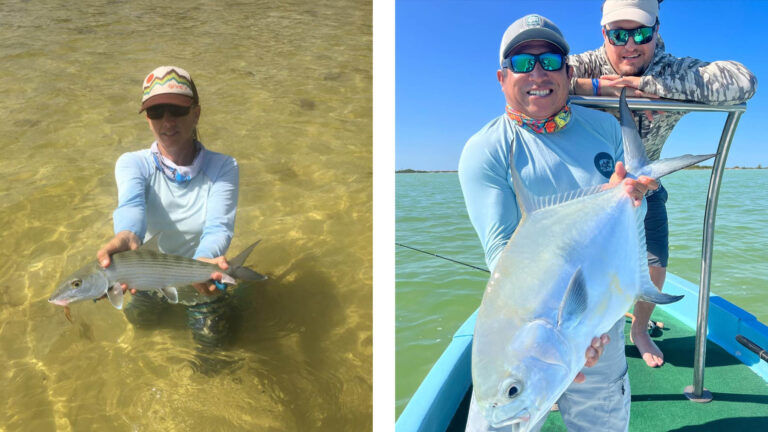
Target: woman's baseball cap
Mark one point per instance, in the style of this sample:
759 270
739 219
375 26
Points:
528 28
169 85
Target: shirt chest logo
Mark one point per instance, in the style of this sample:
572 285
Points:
604 164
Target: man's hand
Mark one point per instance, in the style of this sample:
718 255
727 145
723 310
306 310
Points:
636 189
210 289
611 85
594 351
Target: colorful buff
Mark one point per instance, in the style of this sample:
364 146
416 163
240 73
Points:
547 125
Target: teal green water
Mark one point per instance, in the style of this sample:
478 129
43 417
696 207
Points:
434 296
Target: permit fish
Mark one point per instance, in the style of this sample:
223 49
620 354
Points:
146 269
573 267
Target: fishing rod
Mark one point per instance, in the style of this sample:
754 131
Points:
445 258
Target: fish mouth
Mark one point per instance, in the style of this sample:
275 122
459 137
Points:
519 422
60 302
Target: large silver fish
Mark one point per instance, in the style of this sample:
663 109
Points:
573 267
146 269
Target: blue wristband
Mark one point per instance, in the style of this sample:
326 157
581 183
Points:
220 286
595 86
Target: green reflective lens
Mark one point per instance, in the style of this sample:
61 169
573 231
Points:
524 63
640 35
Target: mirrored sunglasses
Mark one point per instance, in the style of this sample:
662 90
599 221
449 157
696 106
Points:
157 112
640 35
524 63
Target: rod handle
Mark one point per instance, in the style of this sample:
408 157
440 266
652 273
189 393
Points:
755 348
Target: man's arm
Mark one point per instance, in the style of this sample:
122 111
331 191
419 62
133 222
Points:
491 203
719 82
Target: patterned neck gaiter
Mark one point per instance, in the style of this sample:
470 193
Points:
547 125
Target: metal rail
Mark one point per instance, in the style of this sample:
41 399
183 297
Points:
697 392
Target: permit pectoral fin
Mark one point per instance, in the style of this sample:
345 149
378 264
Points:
115 295
574 302
171 294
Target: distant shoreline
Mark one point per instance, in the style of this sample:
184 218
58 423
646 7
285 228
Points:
695 167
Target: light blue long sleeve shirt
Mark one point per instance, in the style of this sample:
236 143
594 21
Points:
196 218
582 154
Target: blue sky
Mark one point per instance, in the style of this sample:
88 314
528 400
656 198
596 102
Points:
446 57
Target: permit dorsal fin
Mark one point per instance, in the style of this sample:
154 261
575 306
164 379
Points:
574 302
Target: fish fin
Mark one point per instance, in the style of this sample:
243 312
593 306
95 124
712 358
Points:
115 295
241 272
662 167
171 294
574 302
635 157
152 244
651 294
538 203
227 279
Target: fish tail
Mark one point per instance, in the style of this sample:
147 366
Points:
239 271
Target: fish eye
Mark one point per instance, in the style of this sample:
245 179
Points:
513 391
511 388
77 283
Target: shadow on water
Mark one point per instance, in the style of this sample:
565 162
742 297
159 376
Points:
288 324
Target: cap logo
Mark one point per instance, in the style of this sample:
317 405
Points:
533 21
172 82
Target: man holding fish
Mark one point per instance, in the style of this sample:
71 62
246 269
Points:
633 56
555 147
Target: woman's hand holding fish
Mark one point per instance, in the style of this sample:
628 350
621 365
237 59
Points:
210 289
121 242
635 188
594 351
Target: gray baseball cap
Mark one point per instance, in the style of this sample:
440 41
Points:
528 28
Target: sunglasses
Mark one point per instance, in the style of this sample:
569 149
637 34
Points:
524 63
156 112
640 35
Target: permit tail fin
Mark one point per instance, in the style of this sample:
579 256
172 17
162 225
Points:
636 160
241 272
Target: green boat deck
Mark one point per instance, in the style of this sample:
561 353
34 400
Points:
740 397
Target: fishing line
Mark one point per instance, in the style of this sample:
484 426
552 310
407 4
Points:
445 258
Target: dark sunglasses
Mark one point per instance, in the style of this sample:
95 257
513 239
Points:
640 35
156 112
524 63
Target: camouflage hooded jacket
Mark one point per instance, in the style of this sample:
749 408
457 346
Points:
685 79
